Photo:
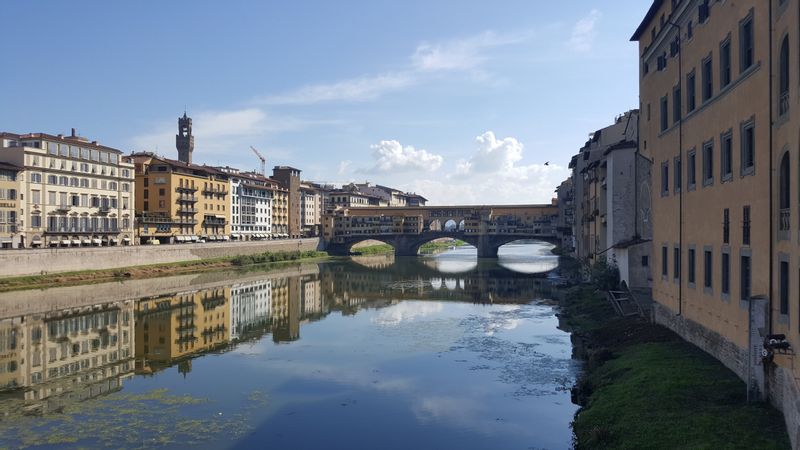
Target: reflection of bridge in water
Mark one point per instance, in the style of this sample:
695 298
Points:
408 228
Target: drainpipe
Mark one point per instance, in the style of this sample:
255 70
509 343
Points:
771 208
680 158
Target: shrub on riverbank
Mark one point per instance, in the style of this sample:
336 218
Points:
377 249
270 257
644 387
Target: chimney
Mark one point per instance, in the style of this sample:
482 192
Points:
73 133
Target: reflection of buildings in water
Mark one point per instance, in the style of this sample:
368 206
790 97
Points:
251 307
311 298
286 309
65 356
171 328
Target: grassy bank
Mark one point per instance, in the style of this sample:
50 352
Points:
439 246
644 387
377 249
153 270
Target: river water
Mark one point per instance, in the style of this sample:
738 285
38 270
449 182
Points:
440 352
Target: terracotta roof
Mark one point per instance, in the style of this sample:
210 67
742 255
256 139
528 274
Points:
66 139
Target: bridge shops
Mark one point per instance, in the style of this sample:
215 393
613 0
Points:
407 228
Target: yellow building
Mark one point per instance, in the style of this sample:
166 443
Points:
180 202
72 192
718 82
171 329
280 212
10 187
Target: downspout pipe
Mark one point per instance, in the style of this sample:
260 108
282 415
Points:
680 158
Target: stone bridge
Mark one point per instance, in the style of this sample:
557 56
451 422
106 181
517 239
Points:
406 229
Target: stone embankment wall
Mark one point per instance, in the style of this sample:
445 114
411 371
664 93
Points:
53 260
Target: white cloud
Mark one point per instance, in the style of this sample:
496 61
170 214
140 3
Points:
355 89
344 167
391 156
493 155
493 175
465 54
584 32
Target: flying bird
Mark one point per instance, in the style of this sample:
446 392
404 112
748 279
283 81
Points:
547 163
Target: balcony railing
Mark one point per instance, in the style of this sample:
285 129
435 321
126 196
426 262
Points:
185 189
213 221
785 222
154 219
187 211
215 191
187 199
784 103
79 230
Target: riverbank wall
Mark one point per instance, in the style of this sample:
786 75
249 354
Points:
55 260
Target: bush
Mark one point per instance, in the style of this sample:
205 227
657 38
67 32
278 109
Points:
604 276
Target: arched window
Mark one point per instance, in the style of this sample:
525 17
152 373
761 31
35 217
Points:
783 81
784 195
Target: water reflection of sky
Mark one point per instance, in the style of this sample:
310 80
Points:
365 367
519 256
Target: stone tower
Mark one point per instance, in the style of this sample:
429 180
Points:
184 139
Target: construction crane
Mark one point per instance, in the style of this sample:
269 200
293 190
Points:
263 161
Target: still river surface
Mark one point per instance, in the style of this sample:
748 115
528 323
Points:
440 352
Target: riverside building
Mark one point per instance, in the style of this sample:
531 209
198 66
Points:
719 99
252 204
178 202
70 192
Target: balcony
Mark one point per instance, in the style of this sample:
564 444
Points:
211 191
187 199
64 207
181 189
103 209
211 220
74 230
191 211
155 219
783 106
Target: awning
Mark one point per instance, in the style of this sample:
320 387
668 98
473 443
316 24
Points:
97 241
194 238
226 238
53 243
115 240
181 238
87 241
76 242
126 239
65 242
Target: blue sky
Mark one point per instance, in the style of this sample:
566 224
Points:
461 101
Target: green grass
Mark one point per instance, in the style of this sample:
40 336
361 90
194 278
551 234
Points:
673 395
439 246
644 387
377 249
271 257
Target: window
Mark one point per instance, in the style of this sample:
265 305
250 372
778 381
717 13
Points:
36 177
725 63
746 44
664 118
708 276
746 225
748 137
726 274
691 266
708 163
664 178
690 170
726 153
676 104
36 197
708 79
726 226
783 78
664 257
703 11
690 92
744 276
677 174
689 30
784 286
36 221
784 196
676 263
162 192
